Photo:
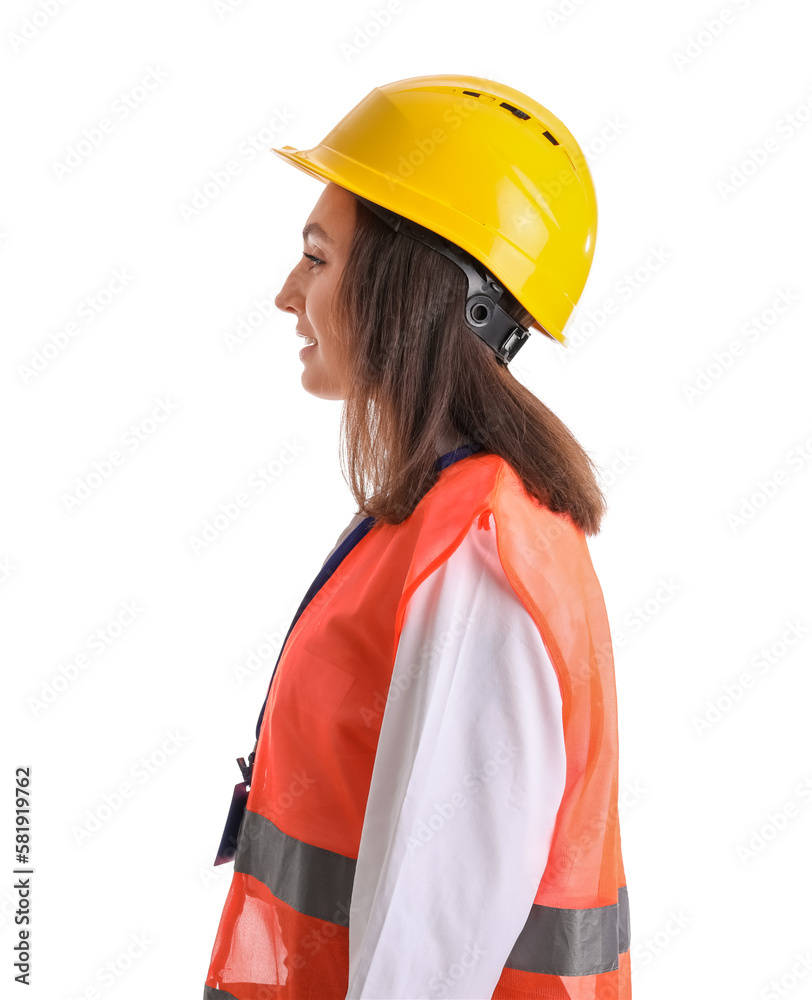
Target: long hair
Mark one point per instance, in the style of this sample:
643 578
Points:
417 372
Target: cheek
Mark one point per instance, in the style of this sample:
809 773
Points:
318 308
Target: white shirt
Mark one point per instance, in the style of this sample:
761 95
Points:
468 777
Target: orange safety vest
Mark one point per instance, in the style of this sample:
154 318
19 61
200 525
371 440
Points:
284 931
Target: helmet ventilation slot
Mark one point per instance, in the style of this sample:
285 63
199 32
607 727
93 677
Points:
514 111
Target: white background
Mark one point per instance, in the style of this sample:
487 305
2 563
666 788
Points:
686 129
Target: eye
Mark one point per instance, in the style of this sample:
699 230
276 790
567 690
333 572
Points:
316 260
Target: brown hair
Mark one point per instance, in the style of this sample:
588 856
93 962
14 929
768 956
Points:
418 372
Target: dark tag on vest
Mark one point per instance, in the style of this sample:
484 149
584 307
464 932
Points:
231 832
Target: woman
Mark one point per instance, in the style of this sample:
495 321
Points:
433 792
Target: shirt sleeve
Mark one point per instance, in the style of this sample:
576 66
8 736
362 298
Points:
468 777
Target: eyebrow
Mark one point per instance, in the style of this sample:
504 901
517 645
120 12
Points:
317 230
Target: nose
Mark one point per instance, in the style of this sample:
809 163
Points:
289 298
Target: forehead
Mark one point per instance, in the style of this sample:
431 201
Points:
332 219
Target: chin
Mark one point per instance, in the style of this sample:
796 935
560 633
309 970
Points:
317 387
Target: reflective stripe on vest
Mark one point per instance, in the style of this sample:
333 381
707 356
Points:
318 883
284 928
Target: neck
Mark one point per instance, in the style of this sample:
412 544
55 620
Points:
448 441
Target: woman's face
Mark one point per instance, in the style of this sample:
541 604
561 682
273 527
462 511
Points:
309 289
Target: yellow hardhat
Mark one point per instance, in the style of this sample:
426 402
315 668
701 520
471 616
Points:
481 165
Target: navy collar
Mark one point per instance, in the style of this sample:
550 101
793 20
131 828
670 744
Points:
451 457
